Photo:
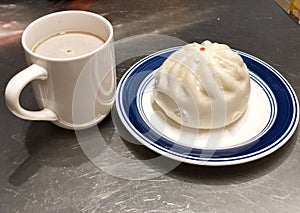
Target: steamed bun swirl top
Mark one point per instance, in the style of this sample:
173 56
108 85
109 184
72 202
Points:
203 86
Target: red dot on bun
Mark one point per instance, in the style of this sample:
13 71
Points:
202 48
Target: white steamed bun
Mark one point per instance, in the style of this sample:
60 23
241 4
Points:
203 86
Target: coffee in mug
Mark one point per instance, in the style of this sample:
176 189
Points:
67 44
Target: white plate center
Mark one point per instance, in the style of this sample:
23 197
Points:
255 121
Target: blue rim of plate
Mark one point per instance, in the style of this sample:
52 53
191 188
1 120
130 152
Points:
280 128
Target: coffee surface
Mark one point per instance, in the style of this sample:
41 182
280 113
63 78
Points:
67 44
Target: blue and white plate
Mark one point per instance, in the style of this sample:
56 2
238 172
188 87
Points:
270 120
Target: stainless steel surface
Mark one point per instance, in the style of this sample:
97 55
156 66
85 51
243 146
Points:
43 168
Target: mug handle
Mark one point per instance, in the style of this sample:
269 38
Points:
15 87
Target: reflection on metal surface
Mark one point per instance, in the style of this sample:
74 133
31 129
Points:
80 4
10 28
75 4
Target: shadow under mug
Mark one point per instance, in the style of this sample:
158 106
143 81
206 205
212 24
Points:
73 93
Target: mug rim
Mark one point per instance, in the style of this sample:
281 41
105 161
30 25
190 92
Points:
107 41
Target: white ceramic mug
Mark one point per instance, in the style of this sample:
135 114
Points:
73 93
